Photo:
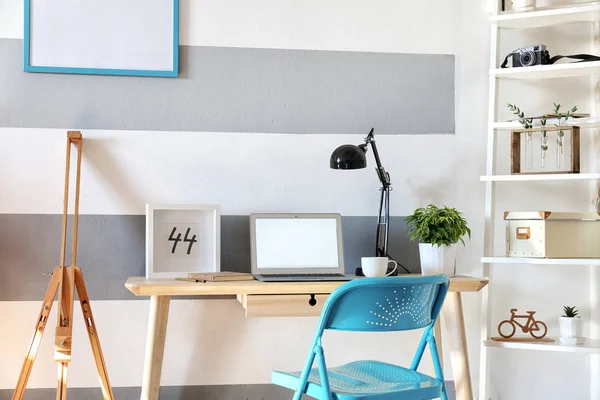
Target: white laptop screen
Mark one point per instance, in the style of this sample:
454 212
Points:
296 243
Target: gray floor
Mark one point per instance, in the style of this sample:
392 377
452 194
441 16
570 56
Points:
221 392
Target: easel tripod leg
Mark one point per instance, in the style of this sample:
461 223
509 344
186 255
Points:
64 330
40 326
61 389
90 325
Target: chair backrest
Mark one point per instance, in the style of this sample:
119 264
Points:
385 304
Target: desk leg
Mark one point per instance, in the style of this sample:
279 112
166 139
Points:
456 340
155 346
437 333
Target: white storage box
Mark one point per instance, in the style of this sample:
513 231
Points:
546 234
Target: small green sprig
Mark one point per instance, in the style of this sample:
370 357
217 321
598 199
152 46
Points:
544 135
526 122
562 118
570 312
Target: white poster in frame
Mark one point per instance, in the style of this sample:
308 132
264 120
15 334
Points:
104 37
181 239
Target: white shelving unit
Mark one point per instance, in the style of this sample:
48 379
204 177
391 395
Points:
548 17
589 346
540 177
548 71
584 123
579 13
541 261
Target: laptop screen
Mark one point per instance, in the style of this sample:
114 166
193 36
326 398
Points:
296 243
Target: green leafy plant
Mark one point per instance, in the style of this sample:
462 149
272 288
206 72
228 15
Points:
526 122
439 226
544 138
562 119
570 312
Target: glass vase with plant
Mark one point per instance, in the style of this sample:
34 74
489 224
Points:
527 123
562 119
544 144
437 230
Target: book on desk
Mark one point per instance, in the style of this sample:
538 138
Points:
223 276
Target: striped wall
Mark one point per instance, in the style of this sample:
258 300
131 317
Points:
112 248
224 89
168 151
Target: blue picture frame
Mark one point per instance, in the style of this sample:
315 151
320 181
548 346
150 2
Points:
27 67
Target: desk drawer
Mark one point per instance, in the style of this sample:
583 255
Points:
282 305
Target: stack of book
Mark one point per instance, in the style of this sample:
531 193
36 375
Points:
224 276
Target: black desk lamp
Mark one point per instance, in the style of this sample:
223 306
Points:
349 156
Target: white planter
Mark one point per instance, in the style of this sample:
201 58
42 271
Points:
437 260
523 5
570 330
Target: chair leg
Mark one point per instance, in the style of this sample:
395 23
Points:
304 376
420 349
323 374
437 366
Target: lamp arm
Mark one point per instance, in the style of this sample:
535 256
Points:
383 221
384 177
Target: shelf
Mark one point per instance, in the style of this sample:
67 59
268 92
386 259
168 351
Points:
590 346
548 71
540 177
584 123
589 12
544 261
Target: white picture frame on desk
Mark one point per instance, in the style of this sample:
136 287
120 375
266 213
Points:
182 238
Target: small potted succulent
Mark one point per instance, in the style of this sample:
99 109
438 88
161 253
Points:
570 326
437 230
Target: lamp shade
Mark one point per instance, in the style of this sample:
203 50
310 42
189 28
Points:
348 156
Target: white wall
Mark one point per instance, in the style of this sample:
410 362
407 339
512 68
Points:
124 170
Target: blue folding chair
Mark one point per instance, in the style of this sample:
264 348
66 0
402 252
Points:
375 305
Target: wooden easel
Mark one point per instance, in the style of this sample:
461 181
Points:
66 279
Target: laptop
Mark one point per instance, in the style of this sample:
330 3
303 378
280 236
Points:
297 247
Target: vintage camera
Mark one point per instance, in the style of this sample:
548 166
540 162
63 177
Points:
531 55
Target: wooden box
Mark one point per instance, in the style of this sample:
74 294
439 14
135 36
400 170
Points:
546 234
571 147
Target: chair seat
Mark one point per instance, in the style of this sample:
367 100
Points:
366 379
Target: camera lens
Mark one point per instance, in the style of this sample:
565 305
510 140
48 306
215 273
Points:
528 58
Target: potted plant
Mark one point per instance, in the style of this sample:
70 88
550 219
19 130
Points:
437 230
570 326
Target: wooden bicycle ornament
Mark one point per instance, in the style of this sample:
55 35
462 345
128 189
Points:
526 322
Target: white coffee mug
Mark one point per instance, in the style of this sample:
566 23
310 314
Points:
376 266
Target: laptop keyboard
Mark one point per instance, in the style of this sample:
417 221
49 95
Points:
302 275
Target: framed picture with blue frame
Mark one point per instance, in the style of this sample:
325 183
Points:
102 37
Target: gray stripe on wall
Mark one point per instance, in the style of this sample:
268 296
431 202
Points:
220 392
241 90
111 248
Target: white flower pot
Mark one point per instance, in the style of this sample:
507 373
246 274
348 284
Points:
523 5
570 330
437 260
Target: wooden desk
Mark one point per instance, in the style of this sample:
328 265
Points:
286 299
